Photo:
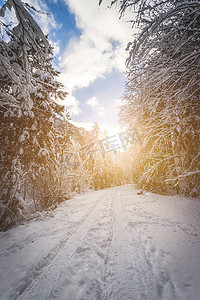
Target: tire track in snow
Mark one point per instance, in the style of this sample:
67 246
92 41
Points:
68 208
128 274
83 276
36 270
40 279
164 284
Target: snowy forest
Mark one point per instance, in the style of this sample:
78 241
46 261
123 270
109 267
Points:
42 161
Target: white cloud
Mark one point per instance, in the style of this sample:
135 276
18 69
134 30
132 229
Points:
72 105
117 103
56 47
100 48
94 103
45 19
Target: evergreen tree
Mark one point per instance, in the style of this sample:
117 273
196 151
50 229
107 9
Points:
27 110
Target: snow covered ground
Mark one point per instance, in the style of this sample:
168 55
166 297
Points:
109 244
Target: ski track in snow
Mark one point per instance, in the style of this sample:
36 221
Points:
108 245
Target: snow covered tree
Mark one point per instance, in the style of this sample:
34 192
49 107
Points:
27 109
162 93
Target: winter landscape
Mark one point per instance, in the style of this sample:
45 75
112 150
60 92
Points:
100 159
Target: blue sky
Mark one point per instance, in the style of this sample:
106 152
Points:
67 28
90 53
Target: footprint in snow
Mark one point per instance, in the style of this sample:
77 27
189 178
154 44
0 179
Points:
82 249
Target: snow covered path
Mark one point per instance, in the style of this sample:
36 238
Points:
109 244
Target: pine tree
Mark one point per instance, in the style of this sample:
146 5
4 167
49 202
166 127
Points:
27 92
